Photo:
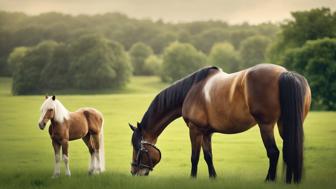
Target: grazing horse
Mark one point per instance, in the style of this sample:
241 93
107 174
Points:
210 100
85 123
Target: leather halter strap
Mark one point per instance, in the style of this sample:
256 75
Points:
137 163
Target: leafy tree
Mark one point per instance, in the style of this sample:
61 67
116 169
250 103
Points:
306 25
316 60
224 56
27 76
179 60
138 53
16 58
152 65
56 75
99 63
205 40
239 35
18 29
253 50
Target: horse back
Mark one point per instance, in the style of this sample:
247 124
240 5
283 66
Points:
84 121
233 103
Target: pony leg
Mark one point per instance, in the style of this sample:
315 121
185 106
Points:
57 167
196 141
267 134
95 140
87 141
207 151
65 157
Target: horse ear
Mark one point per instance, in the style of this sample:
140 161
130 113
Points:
139 126
132 127
53 97
46 97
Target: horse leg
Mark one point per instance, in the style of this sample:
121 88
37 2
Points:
207 151
196 141
95 140
87 141
267 135
65 144
57 168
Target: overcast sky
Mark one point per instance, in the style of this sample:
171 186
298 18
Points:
232 11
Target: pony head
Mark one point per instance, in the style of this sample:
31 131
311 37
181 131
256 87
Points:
52 109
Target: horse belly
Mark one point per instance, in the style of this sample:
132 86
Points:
235 122
78 127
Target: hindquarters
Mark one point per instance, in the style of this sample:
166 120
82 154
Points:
95 139
276 95
262 92
94 119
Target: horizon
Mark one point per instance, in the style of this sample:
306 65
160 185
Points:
174 11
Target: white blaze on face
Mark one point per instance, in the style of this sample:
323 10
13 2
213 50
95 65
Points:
47 104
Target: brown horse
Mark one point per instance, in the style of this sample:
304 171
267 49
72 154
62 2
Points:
85 123
210 100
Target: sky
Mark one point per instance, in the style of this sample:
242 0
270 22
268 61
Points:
232 11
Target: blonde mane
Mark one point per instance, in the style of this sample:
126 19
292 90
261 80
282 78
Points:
61 113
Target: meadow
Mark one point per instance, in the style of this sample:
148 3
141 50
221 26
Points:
26 158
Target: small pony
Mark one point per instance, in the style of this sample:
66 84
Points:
85 123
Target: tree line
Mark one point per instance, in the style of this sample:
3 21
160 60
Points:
54 51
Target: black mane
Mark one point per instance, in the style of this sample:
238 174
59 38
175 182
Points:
174 95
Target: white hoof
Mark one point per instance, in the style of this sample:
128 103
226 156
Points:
56 175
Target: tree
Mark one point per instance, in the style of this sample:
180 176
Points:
253 50
224 56
27 75
306 25
152 65
55 74
316 60
179 60
99 63
16 57
138 53
205 40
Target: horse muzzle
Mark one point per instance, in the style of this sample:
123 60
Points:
41 125
141 172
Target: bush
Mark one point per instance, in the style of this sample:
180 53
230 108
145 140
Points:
91 62
138 53
152 65
224 56
179 60
27 76
253 50
99 63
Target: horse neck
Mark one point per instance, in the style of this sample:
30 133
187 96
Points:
158 123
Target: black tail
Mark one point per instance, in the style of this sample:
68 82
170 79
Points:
292 93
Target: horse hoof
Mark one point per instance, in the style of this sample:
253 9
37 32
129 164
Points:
56 175
268 179
94 172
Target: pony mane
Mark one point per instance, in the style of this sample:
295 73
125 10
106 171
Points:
174 95
61 113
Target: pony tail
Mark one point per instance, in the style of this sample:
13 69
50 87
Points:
292 93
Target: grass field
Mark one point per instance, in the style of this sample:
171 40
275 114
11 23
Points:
26 158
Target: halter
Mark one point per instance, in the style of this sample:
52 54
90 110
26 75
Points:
137 163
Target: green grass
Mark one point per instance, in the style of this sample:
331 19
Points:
26 158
